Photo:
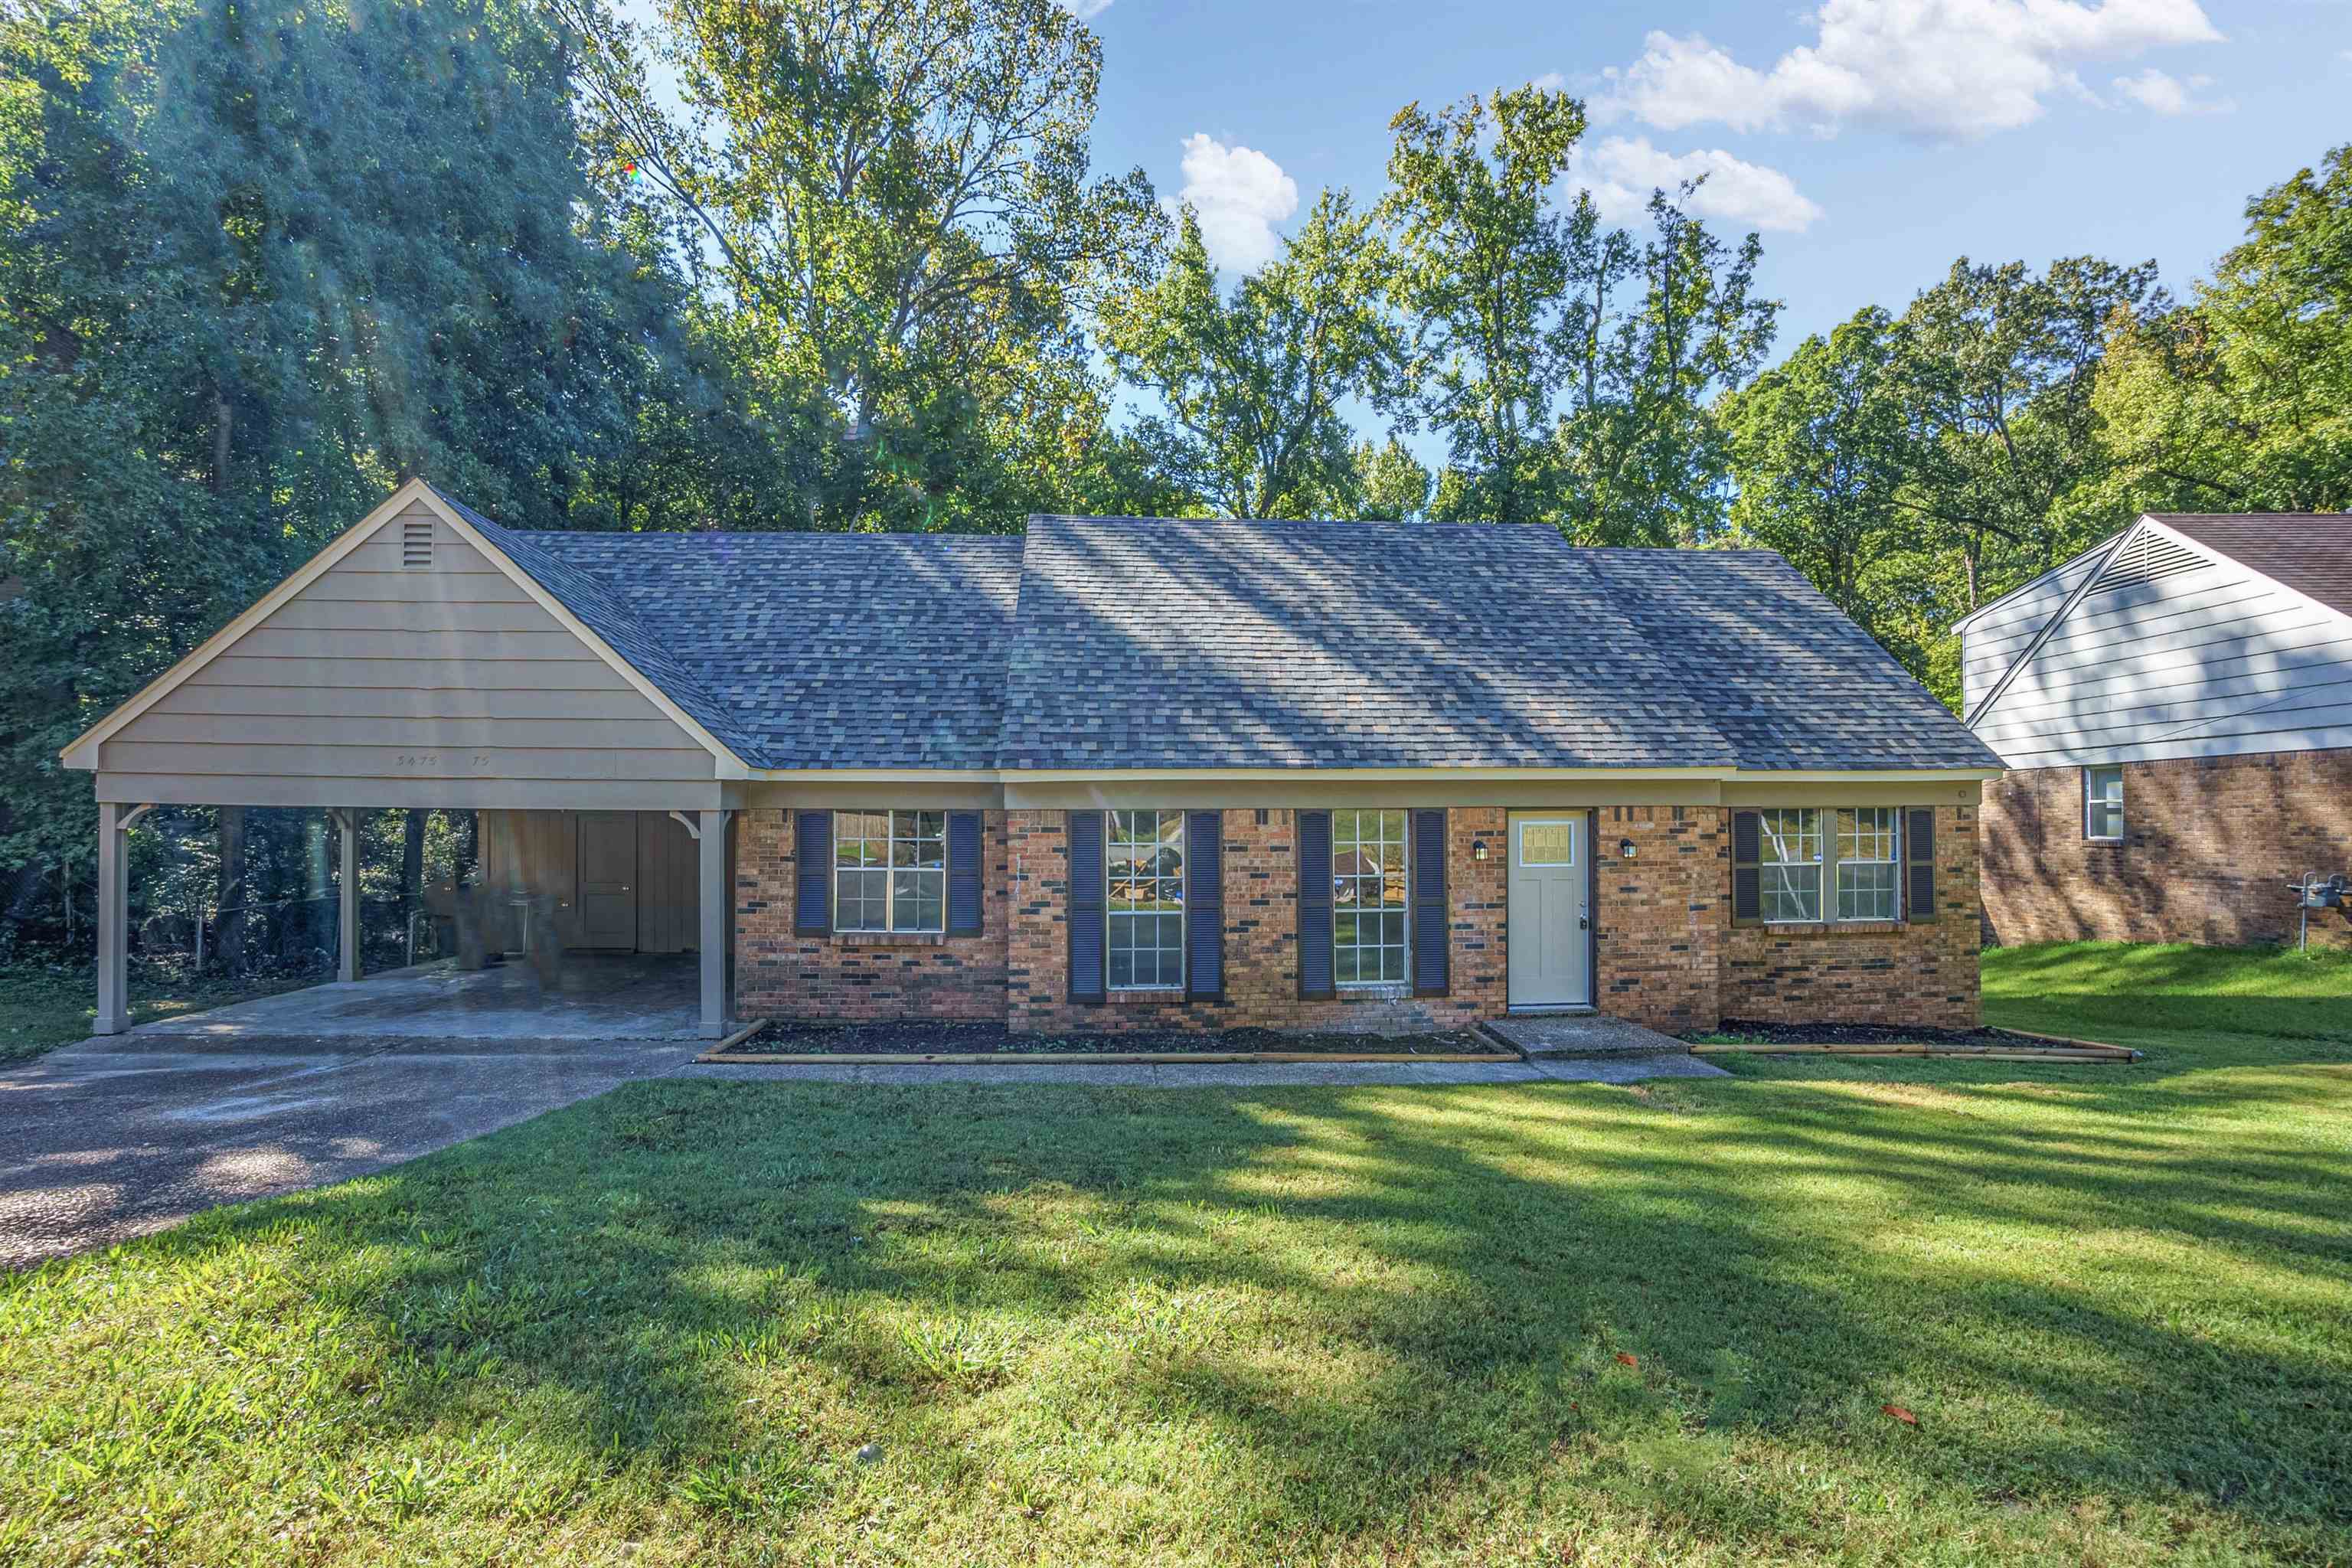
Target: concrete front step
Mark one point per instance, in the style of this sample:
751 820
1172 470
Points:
1557 1035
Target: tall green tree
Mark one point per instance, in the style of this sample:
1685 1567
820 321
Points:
1484 268
2242 401
896 195
1651 332
1252 382
258 260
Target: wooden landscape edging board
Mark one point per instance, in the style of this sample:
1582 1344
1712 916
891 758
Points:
2079 1051
1105 1059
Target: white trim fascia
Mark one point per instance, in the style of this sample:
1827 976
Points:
728 764
874 775
1368 776
81 751
1866 776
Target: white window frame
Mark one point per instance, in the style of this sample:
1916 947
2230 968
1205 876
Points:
892 837
1828 857
2092 801
1401 907
1835 847
1112 909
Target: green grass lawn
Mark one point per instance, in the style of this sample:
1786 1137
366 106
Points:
44 1005
1484 1325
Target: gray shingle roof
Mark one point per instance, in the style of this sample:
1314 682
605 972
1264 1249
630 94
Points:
1146 643
830 651
1784 674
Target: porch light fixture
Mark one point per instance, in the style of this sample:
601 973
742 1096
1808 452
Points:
1478 850
1625 848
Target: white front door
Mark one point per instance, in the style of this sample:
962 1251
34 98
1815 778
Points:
1550 914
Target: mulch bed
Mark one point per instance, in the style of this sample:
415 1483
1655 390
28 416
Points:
1741 1032
995 1039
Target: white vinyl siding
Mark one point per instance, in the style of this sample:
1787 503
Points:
1368 898
1144 868
2216 660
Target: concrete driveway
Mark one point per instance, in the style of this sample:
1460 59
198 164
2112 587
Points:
114 1138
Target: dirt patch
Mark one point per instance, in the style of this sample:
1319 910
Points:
1738 1032
995 1039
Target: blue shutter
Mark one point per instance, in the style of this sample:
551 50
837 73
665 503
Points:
1315 906
963 873
1086 901
1430 967
1919 862
813 862
1204 904
1746 875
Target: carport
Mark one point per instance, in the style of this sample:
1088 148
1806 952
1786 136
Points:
429 659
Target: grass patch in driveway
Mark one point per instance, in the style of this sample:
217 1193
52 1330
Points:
1491 1324
44 1005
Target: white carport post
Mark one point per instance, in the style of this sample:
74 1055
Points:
114 916
712 892
347 893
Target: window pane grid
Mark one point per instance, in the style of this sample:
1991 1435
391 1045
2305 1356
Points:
889 871
1791 864
1368 898
2103 802
1144 869
1866 882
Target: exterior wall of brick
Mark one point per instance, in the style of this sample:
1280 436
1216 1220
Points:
2211 844
1922 975
1261 931
1667 954
1661 915
821 978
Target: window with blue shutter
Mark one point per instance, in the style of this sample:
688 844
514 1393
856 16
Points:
1315 905
963 873
1085 903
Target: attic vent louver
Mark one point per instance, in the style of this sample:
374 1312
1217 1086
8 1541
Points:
417 546
2145 557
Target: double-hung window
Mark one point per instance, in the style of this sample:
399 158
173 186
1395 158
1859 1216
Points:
1816 866
1368 898
889 871
2103 804
1145 899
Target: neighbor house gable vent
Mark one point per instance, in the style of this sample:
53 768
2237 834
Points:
2146 556
416 546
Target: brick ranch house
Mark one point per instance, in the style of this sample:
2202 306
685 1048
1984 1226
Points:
2176 710
1119 772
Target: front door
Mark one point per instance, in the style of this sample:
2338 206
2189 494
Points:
1549 934
608 880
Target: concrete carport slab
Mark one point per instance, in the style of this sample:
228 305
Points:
584 998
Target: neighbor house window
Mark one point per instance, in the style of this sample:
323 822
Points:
1368 898
1816 866
2102 803
1865 863
889 871
1145 899
1791 863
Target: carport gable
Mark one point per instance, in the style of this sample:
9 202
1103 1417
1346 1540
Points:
412 662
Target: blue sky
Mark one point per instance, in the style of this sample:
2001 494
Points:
1872 141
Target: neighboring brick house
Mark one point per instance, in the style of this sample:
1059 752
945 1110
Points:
1122 771
2176 710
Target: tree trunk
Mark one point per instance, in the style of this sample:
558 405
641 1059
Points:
24 897
224 424
412 856
469 849
229 938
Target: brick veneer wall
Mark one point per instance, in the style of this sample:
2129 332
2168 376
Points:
1891 974
2211 843
1260 926
1668 955
781 975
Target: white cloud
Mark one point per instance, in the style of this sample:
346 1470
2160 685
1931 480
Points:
1083 10
1241 193
1620 173
1550 81
2157 93
1960 69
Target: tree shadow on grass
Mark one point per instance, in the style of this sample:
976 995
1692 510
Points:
1337 1321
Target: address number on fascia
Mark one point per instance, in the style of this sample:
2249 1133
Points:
433 759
